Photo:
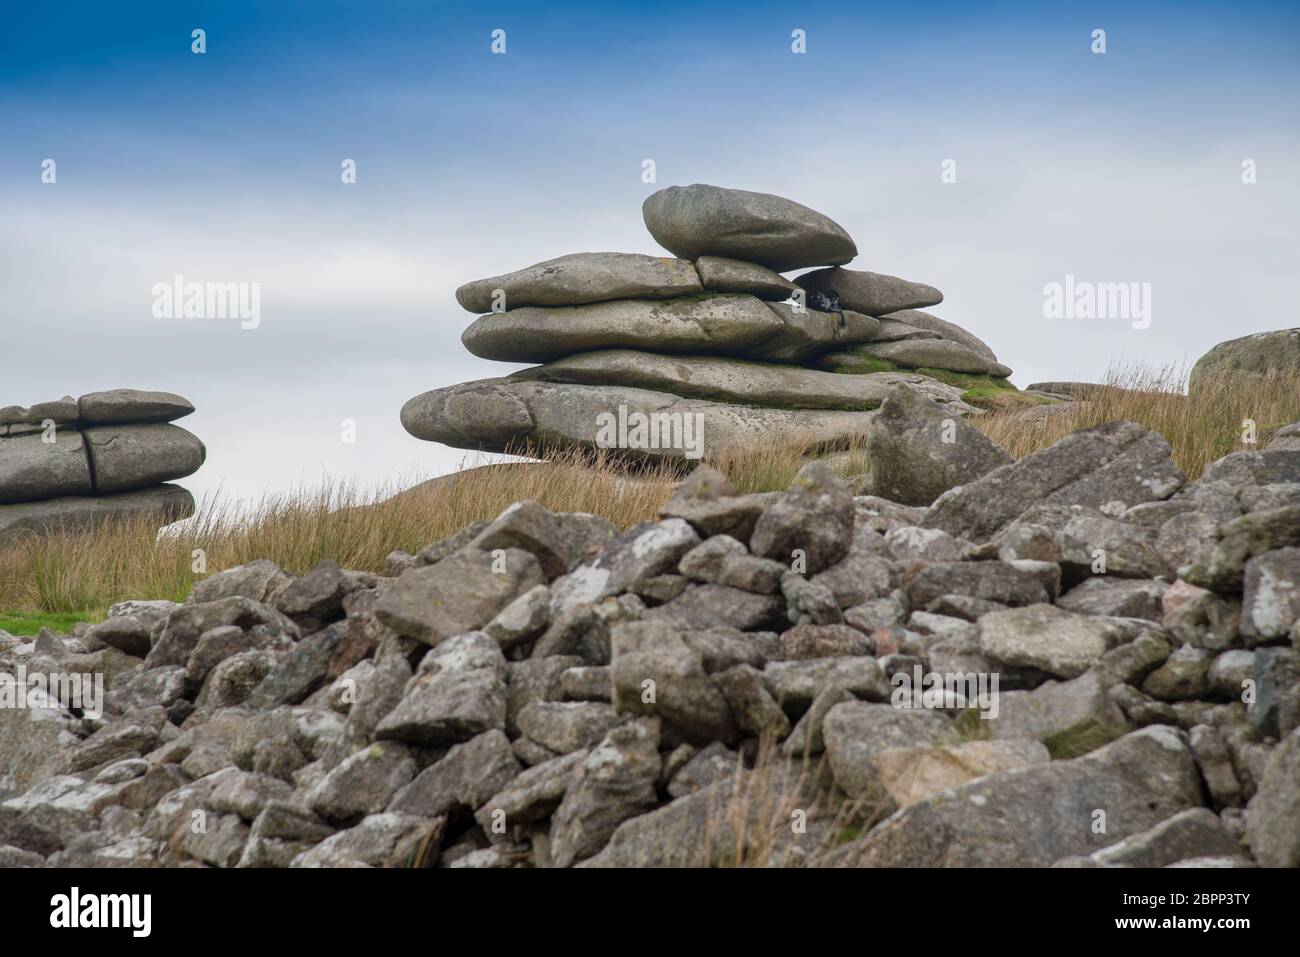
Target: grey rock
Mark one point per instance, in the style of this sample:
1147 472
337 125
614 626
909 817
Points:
1273 815
918 450
466 778
814 517
458 693
380 840
718 606
1221 565
657 673
795 684
363 784
1196 832
522 620
461 593
1037 815
316 599
719 274
920 354
1263 353
875 294
1008 583
944 329
1118 597
180 633
1270 605
581 278
1048 638
128 457
718 379
512 414
856 731
719 324
615 781
73 513
1183 676
1103 467
754 709
701 220
533 795
117 406
532 528
31 468
566 726
712 505
258 580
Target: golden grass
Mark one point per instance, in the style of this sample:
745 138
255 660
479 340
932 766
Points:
88 571
1199 428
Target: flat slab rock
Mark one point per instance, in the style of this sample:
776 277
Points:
874 293
701 220
1109 467
1037 815
731 380
499 414
581 278
715 324
164 504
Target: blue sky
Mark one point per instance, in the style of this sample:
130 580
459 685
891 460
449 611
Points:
225 167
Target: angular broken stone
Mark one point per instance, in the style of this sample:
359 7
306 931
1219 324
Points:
461 593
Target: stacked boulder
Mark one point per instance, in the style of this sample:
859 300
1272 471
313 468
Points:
546 690
719 334
71 463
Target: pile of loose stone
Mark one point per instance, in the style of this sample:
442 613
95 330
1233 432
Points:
710 333
719 685
71 463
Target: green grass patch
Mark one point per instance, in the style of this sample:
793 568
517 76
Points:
30 623
1081 738
971 727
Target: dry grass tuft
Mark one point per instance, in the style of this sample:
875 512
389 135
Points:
1199 428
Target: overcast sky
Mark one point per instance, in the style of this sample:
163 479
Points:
225 167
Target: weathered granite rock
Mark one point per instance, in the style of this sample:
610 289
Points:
128 457
459 594
719 379
720 324
119 406
582 278
1273 815
719 274
924 353
163 504
1104 467
700 220
942 328
1256 355
918 450
1035 816
32 468
872 293
501 414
